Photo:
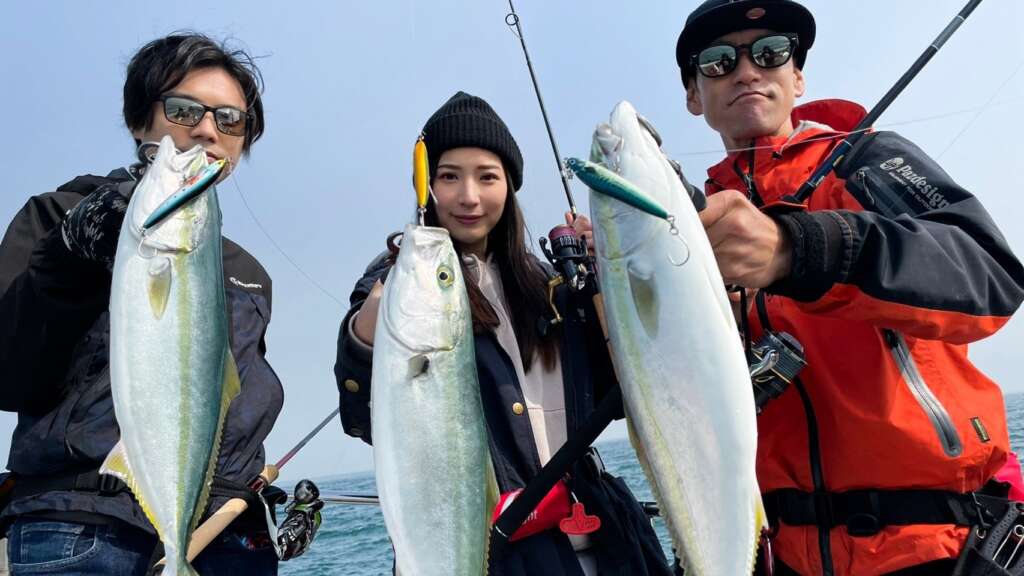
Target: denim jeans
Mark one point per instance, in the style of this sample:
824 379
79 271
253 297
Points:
37 546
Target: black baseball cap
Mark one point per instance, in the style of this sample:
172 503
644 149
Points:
716 18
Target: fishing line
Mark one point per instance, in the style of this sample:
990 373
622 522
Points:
918 120
234 180
979 113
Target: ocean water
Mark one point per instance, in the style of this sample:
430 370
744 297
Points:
352 539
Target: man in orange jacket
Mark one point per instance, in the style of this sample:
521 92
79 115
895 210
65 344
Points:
878 458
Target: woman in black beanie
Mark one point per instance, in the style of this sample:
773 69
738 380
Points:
536 385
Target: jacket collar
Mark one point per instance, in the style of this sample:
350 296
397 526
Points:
811 121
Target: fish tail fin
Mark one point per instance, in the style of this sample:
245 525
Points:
116 464
231 388
182 569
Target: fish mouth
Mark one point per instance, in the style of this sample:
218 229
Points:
629 145
606 147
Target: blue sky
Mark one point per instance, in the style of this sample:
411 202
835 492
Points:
349 85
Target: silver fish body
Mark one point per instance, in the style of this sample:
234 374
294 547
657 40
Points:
680 363
171 371
431 456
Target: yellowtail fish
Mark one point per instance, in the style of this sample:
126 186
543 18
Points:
171 371
431 455
684 377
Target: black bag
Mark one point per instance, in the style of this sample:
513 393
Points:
996 551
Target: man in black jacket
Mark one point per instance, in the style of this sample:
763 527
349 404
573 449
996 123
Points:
62 516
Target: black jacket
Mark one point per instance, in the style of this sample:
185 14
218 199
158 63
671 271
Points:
626 543
54 356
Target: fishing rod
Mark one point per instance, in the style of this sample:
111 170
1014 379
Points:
262 481
567 254
858 132
512 20
574 266
359 499
650 508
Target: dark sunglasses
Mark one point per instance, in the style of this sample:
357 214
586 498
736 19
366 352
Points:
187 112
769 51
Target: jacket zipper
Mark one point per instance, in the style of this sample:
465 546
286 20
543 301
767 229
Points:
890 205
748 176
937 414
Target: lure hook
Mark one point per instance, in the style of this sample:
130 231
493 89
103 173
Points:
674 231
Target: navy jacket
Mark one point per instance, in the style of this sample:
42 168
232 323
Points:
54 356
626 543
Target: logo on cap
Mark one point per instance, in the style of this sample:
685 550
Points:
755 13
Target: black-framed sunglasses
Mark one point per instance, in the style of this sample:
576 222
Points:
769 51
187 112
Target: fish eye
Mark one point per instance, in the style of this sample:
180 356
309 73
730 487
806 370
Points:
444 276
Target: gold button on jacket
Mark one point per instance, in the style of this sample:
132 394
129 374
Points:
352 386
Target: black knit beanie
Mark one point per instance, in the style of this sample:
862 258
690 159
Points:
469 121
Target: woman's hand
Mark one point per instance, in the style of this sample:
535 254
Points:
365 323
584 229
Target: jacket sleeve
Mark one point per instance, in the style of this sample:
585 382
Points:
923 257
48 300
354 363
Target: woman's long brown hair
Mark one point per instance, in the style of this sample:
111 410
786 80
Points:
523 280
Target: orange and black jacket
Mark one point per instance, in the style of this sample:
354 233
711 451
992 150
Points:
896 269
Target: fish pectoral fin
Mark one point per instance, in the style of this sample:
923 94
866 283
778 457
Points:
645 300
159 285
418 365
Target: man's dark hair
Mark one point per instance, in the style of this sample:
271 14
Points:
163 64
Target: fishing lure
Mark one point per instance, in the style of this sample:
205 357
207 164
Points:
604 181
421 176
192 187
